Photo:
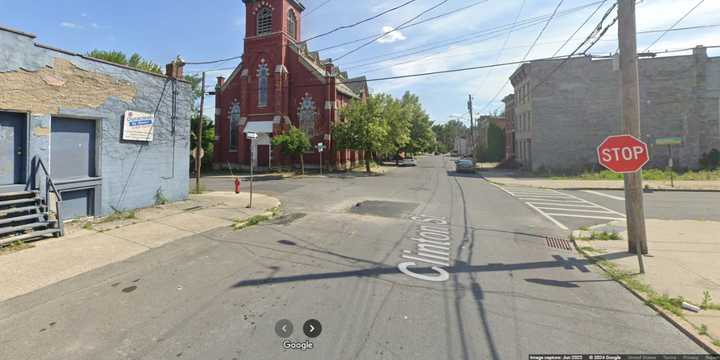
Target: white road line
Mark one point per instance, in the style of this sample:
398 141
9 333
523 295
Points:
605 195
586 216
542 196
580 210
559 224
563 204
592 203
560 201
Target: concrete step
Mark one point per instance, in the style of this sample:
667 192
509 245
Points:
18 194
13 219
25 227
35 235
16 210
29 200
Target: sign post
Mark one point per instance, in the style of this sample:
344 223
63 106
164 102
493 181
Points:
320 148
670 142
626 154
252 137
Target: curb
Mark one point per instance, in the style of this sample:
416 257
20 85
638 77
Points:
672 319
601 188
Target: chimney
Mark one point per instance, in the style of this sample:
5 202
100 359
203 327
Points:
329 69
700 51
220 82
175 68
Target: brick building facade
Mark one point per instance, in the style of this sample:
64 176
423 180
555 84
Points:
560 115
280 83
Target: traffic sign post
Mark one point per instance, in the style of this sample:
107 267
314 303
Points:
252 137
626 154
320 148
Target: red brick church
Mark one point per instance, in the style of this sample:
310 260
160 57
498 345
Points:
278 83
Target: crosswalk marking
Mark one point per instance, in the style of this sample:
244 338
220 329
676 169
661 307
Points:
553 204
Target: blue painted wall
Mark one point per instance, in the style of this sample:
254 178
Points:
132 173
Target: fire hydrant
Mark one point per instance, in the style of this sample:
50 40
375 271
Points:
237 185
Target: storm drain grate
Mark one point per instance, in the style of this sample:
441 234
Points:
558 243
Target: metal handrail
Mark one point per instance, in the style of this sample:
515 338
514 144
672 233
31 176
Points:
49 184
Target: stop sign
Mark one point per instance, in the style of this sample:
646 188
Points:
623 154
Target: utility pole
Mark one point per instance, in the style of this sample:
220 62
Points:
637 236
472 127
198 149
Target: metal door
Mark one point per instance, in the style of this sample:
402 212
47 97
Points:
72 149
13 148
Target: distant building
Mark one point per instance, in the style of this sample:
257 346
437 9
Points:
560 118
509 126
462 146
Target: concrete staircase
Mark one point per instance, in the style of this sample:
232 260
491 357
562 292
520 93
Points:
24 216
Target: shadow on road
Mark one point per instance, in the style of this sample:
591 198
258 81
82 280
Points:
559 262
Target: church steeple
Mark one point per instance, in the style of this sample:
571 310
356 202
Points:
267 17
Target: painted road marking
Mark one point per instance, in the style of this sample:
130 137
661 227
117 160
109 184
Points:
605 195
553 204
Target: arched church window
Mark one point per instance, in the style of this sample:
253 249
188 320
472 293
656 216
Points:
307 114
263 73
264 21
292 24
234 124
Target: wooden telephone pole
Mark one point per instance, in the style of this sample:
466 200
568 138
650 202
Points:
472 128
634 207
198 148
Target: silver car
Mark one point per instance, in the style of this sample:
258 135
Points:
465 166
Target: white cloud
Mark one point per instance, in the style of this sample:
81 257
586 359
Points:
391 37
69 25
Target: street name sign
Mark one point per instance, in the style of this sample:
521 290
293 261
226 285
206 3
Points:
623 154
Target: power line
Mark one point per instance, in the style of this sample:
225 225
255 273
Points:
542 31
360 22
213 61
579 28
394 29
675 24
598 30
316 8
407 26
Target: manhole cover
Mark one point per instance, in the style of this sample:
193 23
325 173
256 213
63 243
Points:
393 209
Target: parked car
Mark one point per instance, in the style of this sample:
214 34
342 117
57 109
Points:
408 161
465 166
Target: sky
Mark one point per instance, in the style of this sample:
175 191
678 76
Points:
162 29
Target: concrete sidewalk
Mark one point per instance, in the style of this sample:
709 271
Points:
91 245
683 263
507 179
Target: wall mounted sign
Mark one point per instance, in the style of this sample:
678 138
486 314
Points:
138 126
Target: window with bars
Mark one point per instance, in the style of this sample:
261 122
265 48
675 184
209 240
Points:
264 21
292 24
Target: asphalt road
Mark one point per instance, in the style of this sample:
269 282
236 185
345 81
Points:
503 295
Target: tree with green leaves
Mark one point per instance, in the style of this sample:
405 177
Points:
421 136
118 57
208 139
398 120
363 128
294 142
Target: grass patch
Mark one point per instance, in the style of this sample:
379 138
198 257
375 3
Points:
650 174
600 235
664 301
87 226
584 228
118 215
707 303
702 330
15 247
716 343
592 250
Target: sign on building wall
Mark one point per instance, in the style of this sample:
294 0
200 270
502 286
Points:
138 126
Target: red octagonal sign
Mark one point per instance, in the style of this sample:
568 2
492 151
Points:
623 154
